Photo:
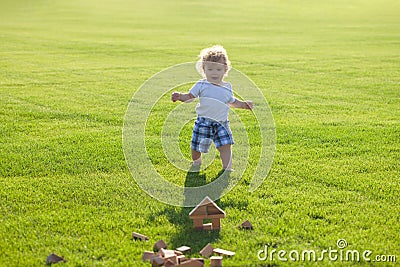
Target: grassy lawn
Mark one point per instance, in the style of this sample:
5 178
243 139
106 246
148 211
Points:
330 71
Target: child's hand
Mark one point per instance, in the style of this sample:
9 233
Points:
249 104
175 96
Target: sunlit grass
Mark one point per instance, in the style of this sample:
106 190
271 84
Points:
68 69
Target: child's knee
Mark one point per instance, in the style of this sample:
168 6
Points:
196 154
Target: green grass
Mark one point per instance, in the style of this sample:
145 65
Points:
330 71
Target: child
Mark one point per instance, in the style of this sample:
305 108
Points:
215 98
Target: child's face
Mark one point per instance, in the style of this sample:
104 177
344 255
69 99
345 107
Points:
214 71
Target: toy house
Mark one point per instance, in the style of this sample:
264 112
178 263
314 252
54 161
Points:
207 210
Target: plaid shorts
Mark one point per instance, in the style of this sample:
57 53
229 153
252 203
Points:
206 131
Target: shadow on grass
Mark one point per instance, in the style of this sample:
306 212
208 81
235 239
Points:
186 235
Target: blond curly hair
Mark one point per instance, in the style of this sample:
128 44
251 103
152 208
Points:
216 54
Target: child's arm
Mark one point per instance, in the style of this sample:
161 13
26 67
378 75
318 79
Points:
181 97
242 104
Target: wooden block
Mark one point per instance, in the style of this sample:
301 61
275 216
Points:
157 261
208 227
184 249
147 255
137 236
198 259
192 263
53 258
169 263
181 259
173 259
224 252
206 201
200 211
178 253
216 224
198 224
206 207
211 210
246 225
166 253
207 251
210 216
216 261
159 245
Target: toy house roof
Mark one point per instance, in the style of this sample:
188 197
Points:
207 209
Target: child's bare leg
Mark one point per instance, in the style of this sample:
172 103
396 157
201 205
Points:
196 156
226 156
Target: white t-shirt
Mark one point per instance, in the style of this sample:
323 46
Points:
214 99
